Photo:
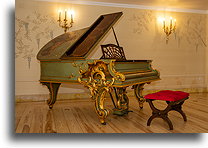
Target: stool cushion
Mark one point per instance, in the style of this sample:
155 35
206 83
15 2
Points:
167 95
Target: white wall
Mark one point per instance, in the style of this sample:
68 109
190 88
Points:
181 62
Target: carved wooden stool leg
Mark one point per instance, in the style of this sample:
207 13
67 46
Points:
151 118
156 113
183 114
178 107
168 121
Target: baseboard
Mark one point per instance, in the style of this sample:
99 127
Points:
64 96
44 97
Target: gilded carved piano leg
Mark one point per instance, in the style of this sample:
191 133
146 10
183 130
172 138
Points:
94 78
99 104
122 102
53 89
138 93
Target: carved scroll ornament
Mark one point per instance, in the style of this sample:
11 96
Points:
95 78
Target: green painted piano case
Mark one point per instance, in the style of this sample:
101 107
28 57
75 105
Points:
65 60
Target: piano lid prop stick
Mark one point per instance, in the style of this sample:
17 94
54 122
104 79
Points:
115 36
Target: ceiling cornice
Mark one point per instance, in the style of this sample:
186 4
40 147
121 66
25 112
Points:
129 6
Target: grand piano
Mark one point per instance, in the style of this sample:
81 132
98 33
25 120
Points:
64 59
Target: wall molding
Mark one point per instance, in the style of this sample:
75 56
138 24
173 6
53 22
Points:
129 6
44 97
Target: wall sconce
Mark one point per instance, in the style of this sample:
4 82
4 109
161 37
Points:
65 24
169 26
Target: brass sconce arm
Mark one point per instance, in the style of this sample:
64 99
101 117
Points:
65 23
169 29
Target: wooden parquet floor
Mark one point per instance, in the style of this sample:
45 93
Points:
78 116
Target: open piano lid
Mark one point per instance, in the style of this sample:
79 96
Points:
78 44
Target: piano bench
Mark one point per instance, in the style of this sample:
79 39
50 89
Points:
174 100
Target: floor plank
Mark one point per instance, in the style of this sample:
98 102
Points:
78 116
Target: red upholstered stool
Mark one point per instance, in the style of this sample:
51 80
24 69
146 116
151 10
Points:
174 99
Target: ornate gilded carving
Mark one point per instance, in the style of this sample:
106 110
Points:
95 78
99 104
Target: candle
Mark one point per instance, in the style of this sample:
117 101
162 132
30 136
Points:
65 14
164 23
174 24
59 15
171 22
72 18
72 13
